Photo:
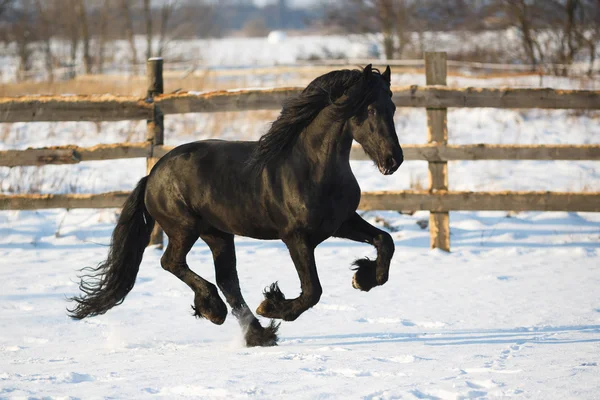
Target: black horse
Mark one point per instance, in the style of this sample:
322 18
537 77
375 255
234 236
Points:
294 184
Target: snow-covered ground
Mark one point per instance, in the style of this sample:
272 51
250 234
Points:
513 311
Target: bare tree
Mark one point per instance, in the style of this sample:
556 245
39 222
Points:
590 33
148 16
85 35
405 13
129 32
102 33
576 23
71 28
45 16
23 34
166 13
521 16
5 5
255 27
393 18
386 14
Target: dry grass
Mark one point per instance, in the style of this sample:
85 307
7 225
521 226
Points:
173 81
198 81
113 84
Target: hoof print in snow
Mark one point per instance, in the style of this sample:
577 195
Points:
423 223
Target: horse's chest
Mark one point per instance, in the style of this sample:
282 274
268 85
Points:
336 204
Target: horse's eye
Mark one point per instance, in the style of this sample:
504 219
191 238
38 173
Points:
372 112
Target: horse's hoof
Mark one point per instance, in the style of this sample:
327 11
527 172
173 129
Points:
355 284
283 310
256 335
217 319
266 309
270 306
212 308
364 278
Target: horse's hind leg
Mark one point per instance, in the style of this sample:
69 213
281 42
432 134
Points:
207 302
275 304
223 249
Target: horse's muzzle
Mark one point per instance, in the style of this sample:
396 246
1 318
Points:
391 164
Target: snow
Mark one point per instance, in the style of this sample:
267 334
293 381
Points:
511 312
276 37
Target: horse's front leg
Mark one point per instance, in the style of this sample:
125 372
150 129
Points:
275 304
369 273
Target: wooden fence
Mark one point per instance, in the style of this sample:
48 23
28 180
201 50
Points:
435 97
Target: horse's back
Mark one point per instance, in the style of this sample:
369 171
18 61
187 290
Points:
211 150
206 182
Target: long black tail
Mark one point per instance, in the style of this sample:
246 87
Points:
107 285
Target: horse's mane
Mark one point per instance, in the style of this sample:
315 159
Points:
299 111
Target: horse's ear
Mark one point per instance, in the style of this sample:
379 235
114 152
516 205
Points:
387 75
368 70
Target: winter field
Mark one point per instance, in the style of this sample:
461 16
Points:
513 311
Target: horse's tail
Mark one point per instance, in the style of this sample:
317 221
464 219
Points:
107 285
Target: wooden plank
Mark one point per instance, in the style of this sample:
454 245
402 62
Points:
439 230
113 151
46 201
225 100
73 108
480 201
413 96
437 133
444 97
438 175
412 152
392 200
13 158
435 152
155 129
72 154
116 108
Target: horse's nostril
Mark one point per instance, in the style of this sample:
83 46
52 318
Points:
391 163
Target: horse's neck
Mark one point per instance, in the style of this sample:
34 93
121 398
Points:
325 144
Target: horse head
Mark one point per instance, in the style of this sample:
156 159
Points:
373 125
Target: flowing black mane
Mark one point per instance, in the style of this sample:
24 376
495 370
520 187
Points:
299 111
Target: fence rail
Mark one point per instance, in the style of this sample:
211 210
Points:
412 152
117 108
436 98
408 200
539 68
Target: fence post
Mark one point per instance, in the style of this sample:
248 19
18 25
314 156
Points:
155 128
437 132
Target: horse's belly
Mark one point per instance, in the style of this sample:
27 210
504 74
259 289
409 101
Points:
241 221
256 231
